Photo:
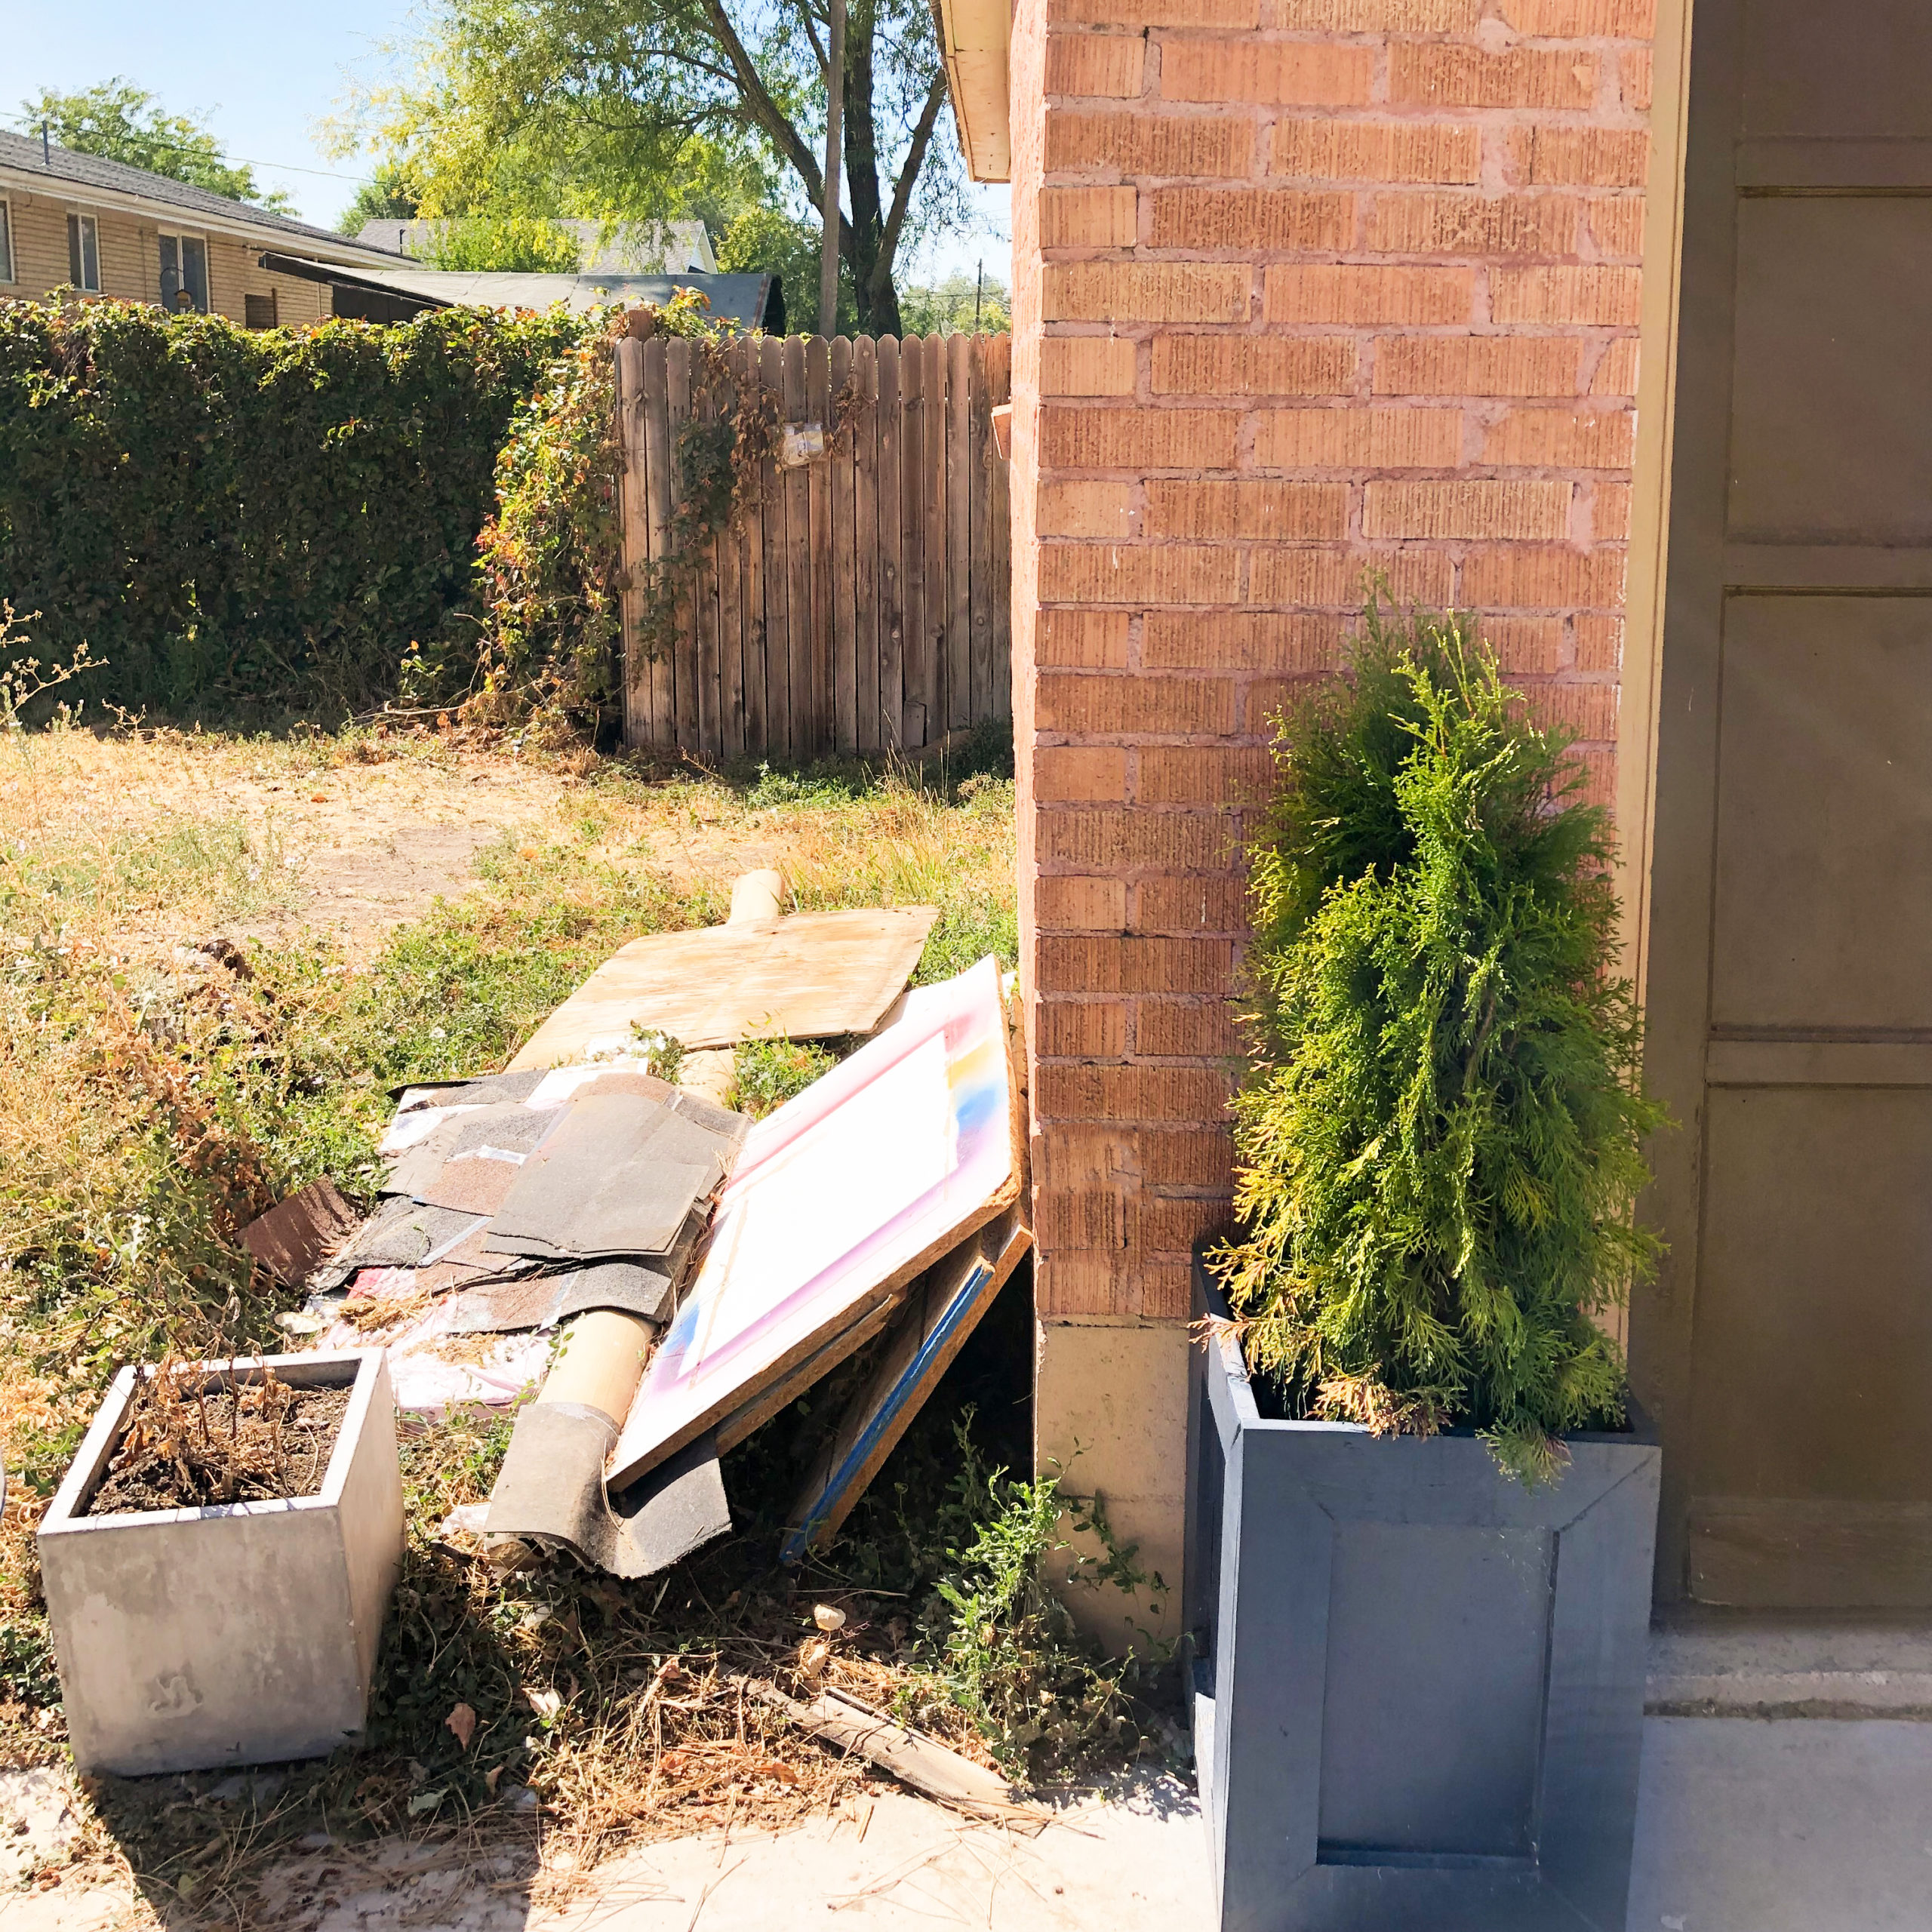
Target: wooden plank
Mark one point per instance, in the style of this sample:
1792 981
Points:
706 587
979 568
841 465
777 581
745 360
634 538
684 656
657 458
962 486
798 564
938 600
999 511
730 600
818 409
866 546
912 541
891 578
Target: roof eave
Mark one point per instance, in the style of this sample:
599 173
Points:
973 35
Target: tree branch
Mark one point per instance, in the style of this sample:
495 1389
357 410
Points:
909 173
785 136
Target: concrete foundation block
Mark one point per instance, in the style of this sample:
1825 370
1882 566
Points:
242 1633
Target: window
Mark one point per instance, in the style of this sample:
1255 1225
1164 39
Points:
259 310
84 253
6 243
184 272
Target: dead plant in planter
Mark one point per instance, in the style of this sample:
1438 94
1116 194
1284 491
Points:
1440 1141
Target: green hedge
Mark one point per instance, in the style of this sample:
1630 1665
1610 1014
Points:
233 518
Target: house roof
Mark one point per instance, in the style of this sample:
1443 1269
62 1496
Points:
972 37
86 177
618 248
747 300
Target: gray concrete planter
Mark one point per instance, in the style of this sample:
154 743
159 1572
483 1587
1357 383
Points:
1418 1687
236 1635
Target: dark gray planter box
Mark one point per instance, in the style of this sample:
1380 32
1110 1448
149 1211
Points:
1418 1687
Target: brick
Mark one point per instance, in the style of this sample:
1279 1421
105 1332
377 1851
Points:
1086 509
1072 1159
1269 704
1393 438
1581 157
1158 964
1246 642
1348 293
1145 291
1064 773
1084 1221
1340 578
1102 839
1589 711
1210 905
1077 963
1582 20
1106 705
1203 775
1088 218
1081 1029
1526 577
1096 64
1610 513
1527 645
1074 902
1137 573
1379 16
1617 225
1155 12
1164 1291
1227 218
1139 439
1081 640
1603 297
1616 372
1254 365
1272 73
1473 225
1434 76
1073 1284
1473 507
1560 439
1599 644
1448 152
1633 79
1214 508
1194 1157
1477 365
1203 146
1130 1092
1600 777
1174 1226
1086 365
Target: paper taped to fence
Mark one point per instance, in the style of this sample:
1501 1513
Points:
838 1201
808 977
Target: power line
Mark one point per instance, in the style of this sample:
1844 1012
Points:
32 123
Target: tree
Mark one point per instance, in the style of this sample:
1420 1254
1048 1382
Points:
391 196
653 109
119 121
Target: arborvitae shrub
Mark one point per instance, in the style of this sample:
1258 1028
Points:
1440 1141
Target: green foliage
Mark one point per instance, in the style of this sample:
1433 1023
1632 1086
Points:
1439 1144
232 516
663 1052
119 121
961 304
27 1672
766 1073
528 244
391 196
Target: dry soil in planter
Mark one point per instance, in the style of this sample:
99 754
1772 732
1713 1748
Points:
187 1446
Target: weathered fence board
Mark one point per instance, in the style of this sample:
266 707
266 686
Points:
858 602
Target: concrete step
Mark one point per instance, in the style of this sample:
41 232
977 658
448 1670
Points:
1709 1665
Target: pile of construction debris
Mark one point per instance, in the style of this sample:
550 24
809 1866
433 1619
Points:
665 1274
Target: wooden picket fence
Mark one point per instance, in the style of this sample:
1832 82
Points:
860 605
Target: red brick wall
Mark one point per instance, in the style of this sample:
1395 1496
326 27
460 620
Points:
1303 287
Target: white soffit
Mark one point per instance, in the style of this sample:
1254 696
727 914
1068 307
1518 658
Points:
973 34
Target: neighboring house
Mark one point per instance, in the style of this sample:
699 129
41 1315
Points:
625 247
1432 288
75 220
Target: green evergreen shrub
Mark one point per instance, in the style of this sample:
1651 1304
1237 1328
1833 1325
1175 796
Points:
1439 1144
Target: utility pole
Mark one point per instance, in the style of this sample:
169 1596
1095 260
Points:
979 291
835 101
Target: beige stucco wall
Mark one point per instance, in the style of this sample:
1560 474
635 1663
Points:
130 259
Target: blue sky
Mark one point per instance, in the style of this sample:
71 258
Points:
262 74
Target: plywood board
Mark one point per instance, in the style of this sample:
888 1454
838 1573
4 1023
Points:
809 976
943 1310
839 1200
